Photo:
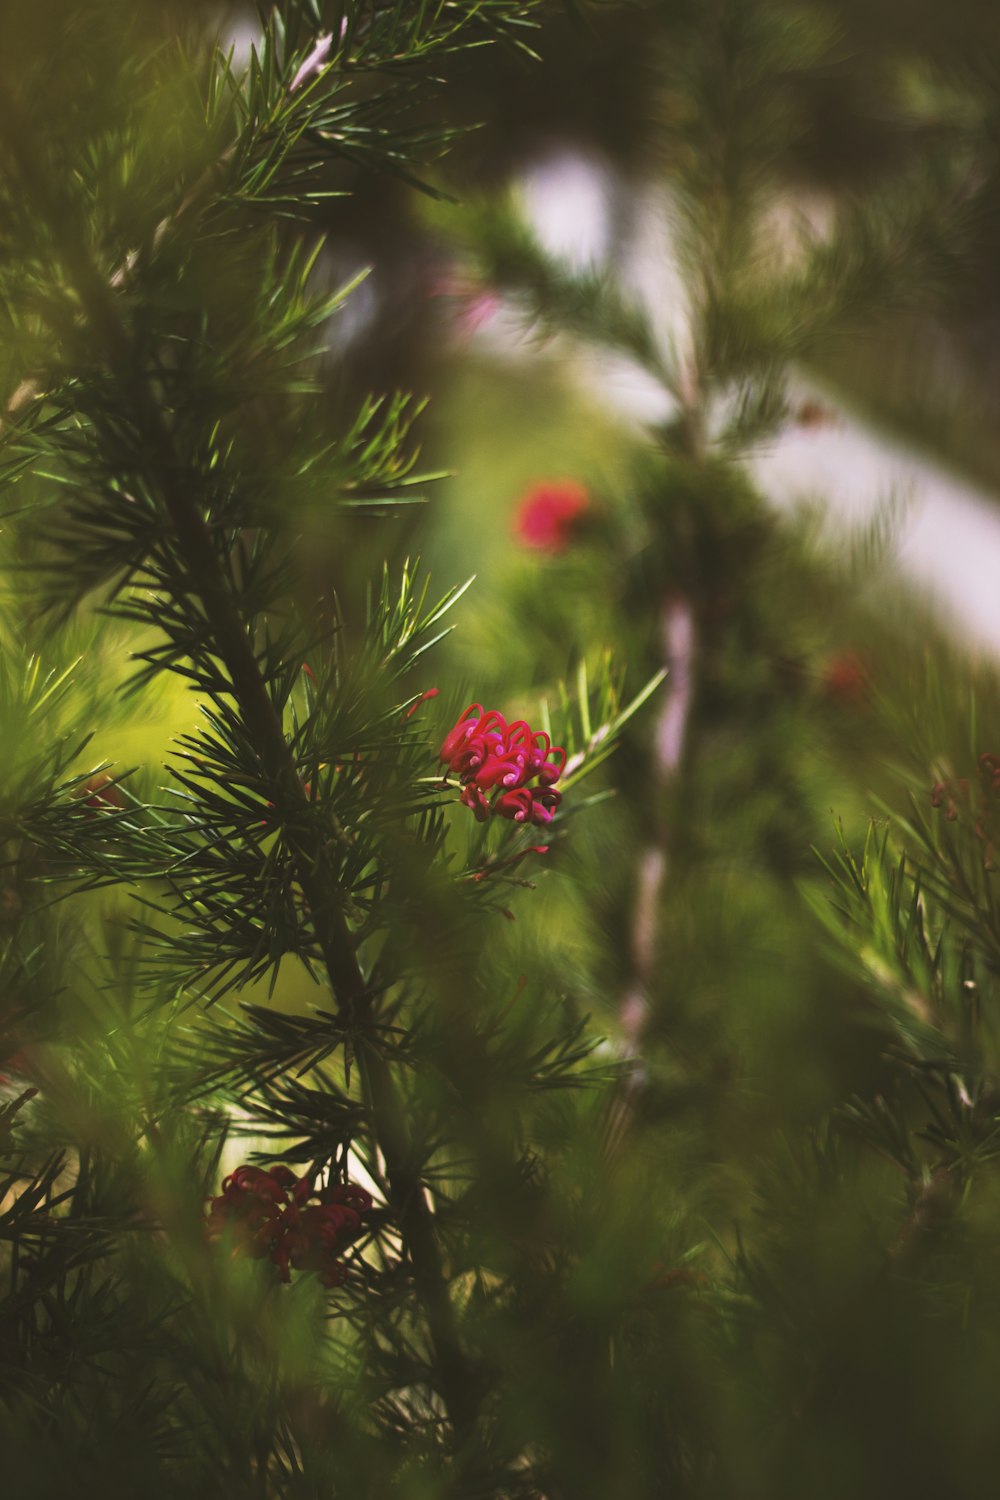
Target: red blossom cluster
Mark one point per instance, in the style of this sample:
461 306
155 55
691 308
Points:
495 762
948 794
270 1217
549 515
983 808
845 679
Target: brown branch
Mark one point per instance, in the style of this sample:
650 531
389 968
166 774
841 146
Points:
677 634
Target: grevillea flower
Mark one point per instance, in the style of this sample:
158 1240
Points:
845 679
978 808
549 514
472 741
473 799
516 805
496 762
547 771
527 806
269 1215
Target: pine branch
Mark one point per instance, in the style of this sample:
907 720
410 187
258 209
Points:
231 642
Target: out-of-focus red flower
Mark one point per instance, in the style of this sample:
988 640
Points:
813 413
845 678
664 1277
490 756
475 303
989 771
270 1215
11 906
979 807
99 793
547 517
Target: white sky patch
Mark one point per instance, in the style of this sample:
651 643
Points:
242 36
948 531
565 199
355 315
624 387
649 268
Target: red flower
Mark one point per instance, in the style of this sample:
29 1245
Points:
250 1208
508 763
99 793
845 679
544 804
516 805
529 806
488 755
473 799
546 770
812 413
468 745
270 1216
547 517
989 771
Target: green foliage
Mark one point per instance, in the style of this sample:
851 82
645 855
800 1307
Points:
816 1098
165 427
728 1252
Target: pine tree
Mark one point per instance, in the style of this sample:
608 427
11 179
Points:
164 442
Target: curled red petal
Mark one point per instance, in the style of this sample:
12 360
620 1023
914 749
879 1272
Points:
473 799
515 805
430 693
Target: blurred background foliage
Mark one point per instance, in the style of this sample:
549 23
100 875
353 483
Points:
768 1266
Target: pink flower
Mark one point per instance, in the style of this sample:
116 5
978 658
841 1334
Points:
544 804
477 311
526 805
469 744
549 514
490 756
476 303
508 761
516 805
547 771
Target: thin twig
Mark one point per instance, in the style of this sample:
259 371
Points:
679 643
